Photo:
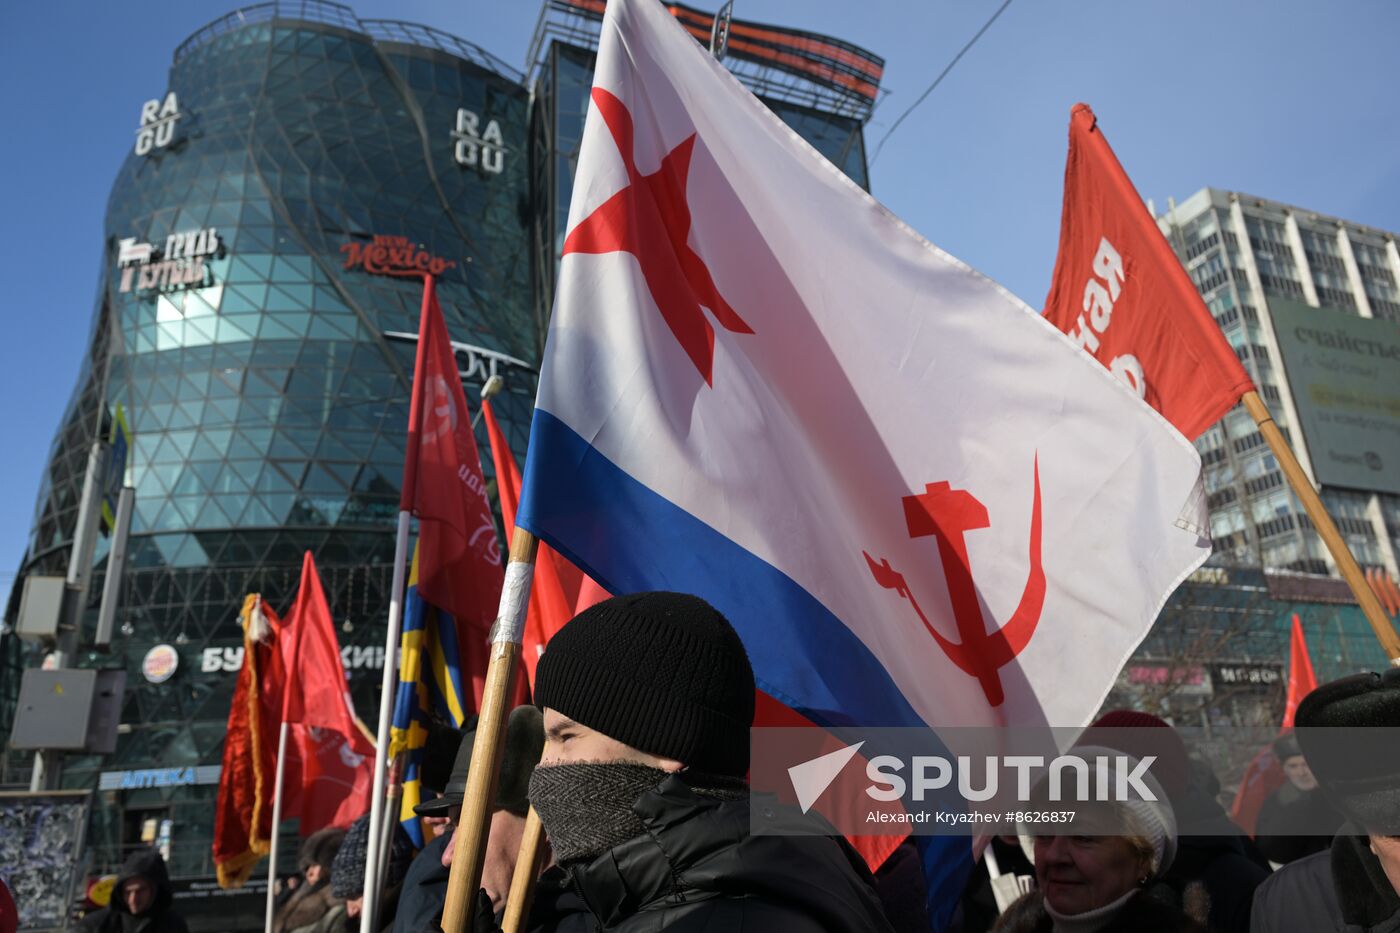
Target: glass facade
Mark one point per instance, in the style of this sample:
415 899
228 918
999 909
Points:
242 326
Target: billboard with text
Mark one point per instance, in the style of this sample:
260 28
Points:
1345 374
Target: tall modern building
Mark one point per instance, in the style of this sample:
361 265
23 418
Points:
259 288
1311 306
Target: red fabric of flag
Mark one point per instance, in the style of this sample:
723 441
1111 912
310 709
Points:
333 768
556 585
1121 294
1265 773
459 558
243 810
1301 679
848 788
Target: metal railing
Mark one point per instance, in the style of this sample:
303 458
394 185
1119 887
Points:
341 16
393 30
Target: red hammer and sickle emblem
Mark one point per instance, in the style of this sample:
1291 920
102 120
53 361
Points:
947 515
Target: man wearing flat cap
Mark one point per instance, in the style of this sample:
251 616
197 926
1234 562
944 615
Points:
1354 886
425 888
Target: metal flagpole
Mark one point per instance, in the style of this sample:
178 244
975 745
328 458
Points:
469 853
1326 530
386 707
276 824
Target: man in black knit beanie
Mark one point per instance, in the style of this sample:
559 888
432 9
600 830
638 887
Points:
648 700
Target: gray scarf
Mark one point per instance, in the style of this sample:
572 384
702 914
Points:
586 808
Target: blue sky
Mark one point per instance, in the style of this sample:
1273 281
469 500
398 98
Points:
1292 100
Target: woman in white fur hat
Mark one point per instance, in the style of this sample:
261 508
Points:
1102 879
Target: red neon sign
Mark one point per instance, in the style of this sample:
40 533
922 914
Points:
394 255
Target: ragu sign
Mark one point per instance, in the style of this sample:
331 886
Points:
157 129
393 255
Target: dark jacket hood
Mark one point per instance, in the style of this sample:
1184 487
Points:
698 849
145 863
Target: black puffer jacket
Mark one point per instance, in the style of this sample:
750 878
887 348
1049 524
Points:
160 918
698 868
1343 890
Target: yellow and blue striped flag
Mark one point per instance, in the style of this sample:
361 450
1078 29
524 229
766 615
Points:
430 681
119 443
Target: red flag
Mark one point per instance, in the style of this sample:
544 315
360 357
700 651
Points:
590 594
1263 776
1265 773
459 559
333 749
554 591
1121 294
243 811
1301 679
1384 588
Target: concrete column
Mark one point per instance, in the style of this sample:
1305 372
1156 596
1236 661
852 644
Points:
1358 288
1300 259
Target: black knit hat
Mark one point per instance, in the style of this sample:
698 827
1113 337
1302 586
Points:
662 672
1365 786
348 869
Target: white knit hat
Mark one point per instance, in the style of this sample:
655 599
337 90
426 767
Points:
1152 819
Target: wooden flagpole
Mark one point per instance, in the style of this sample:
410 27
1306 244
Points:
469 851
1312 503
527 872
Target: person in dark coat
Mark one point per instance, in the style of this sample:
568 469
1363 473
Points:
348 875
648 700
312 901
1354 886
1211 851
141 899
425 888
1296 820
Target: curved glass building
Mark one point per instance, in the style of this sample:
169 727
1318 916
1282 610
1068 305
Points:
259 289
264 241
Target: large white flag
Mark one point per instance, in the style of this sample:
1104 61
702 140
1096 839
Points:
916 500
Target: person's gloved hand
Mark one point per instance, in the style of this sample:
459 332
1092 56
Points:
483 915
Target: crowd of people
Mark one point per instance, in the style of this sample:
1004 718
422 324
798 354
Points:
641 735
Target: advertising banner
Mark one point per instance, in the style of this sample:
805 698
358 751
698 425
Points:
1345 373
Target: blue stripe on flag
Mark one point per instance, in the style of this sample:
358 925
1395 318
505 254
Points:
583 505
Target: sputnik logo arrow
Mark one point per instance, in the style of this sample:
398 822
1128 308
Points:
811 778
